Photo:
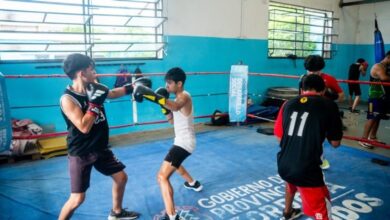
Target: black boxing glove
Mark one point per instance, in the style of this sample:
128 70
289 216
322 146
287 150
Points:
163 92
129 88
96 94
147 93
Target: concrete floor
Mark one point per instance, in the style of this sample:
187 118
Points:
355 126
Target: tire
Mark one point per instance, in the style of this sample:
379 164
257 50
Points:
282 92
276 96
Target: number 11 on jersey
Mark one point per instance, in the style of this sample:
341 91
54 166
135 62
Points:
293 121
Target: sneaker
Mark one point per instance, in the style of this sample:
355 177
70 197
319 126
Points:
124 214
166 217
196 187
365 145
295 213
325 164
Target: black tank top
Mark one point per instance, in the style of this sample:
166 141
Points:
80 144
354 72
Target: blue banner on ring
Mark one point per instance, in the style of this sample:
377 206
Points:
5 117
238 93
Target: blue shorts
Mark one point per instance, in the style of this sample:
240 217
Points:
376 108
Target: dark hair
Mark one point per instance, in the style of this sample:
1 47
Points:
313 82
388 53
176 74
76 62
314 63
360 60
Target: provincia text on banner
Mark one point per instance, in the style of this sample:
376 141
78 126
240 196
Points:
238 91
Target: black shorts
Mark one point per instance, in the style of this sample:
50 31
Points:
80 168
354 89
176 156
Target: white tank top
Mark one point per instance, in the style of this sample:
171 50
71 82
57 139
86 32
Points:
184 130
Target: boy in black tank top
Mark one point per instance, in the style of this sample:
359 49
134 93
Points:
88 132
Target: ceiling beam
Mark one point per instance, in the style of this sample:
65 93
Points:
349 3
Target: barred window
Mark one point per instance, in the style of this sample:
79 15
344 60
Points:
102 29
300 31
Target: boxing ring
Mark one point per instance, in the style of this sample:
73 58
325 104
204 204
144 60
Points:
241 181
135 119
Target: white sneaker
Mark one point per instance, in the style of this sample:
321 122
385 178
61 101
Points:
196 187
366 145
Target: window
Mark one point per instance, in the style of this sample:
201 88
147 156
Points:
294 30
102 29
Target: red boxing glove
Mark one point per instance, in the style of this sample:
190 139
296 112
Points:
365 65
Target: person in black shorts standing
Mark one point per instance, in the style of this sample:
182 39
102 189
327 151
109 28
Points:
180 113
355 69
88 132
302 125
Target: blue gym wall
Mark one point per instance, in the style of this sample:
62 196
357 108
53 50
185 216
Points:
204 54
205 36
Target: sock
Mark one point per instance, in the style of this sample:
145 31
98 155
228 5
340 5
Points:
117 213
192 183
172 217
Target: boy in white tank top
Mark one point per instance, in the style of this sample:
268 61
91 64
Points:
179 113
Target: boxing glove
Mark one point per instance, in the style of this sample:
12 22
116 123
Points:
96 94
365 66
129 87
163 92
147 93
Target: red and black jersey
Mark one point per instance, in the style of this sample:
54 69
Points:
302 124
331 85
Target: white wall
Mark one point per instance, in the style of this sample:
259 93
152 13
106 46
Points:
217 18
364 33
348 24
227 18
357 23
249 18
